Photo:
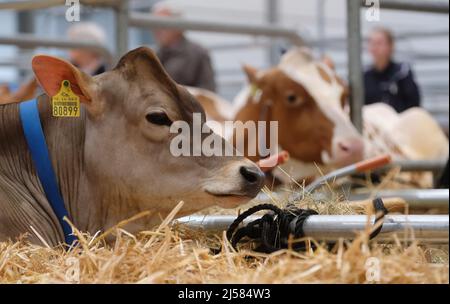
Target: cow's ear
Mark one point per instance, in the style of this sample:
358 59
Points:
251 72
329 62
51 72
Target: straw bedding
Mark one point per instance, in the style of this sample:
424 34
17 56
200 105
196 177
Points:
176 254
171 254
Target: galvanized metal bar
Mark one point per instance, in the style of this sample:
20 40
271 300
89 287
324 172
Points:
346 171
341 42
31 41
424 228
272 8
12 62
122 13
143 20
421 165
416 198
359 167
321 25
355 67
406 166
43 4
338 42
25 25
429 6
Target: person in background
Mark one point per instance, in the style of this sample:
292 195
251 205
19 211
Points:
186 62
89 61
386 80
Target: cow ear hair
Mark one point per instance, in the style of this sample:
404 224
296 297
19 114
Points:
329 62
51 72
251 72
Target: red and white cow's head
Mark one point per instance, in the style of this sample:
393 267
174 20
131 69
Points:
308 100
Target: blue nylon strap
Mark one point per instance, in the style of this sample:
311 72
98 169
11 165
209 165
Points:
34 135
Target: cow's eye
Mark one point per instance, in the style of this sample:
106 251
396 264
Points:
292 99
159 118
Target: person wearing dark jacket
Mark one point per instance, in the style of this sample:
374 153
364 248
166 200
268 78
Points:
387 81
187 62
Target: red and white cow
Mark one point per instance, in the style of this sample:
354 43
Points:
308 100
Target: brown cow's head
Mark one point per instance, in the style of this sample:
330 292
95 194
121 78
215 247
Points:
127 144
307 99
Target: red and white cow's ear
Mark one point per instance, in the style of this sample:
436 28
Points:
251 72
51 72
329 62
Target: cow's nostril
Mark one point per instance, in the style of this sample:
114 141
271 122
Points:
343 147
251 175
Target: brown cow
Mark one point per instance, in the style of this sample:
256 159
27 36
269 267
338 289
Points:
114 161
306 98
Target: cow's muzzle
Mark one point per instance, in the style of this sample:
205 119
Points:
253 178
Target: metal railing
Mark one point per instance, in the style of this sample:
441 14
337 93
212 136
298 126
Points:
355 65
43 4
31 41
420 165
439 7
426 228
120 8
415 198
125 19
143 20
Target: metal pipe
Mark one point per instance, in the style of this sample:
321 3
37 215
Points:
321 25
359 167
340 42
355 67
143 20
31 41
121 13
273 16
425 228
429 6
25 25
43 4
416 199
421 165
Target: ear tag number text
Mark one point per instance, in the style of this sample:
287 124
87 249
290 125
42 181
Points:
66 103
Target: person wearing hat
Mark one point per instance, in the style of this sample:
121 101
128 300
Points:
89 61
186 62
388 81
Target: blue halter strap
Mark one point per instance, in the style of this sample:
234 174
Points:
34 135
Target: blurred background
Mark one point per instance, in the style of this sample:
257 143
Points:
422 39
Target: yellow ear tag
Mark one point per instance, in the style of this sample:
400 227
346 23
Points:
255 93
66 103
253 90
